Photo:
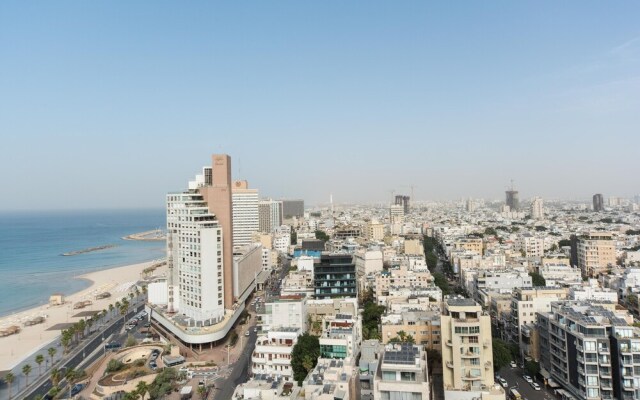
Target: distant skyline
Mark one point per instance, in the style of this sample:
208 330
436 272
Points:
112 105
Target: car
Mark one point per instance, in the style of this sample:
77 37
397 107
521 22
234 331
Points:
112 345
513 364
503 382
527 378
255 330
147 325
155 351
535 386
77 388
247 333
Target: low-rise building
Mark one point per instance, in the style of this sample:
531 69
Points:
272 353
402 373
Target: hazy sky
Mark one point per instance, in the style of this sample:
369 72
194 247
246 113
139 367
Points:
113 104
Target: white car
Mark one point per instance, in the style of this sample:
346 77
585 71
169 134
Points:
503 382
527 378
535 386
513 364
247 333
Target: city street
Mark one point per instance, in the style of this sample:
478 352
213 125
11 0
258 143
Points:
513 376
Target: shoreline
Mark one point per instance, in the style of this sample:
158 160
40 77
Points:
117 280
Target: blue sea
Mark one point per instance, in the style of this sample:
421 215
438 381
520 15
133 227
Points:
31 244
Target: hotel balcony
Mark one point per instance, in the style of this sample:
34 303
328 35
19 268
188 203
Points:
469 377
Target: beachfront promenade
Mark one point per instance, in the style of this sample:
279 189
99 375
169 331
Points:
30 341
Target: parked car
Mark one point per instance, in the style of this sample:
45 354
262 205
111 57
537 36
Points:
513 364
536 386
527 378
247 333
77 388
503 382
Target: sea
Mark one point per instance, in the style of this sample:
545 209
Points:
32 243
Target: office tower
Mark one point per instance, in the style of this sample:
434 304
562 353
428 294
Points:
396 214
596 252
269 215
404 202
216 192
334 276
537 208
245 213
467 352
598 202
590 350
293 208
512 200
403 373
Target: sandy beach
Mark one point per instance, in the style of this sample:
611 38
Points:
117 281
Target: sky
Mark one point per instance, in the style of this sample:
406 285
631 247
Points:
114 104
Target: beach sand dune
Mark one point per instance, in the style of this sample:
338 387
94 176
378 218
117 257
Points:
117 281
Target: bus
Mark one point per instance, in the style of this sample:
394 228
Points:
514 394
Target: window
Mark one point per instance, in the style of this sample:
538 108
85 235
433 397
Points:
408 376
388 375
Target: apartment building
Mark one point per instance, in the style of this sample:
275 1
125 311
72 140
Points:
402 373
272 353
596 252
530 246
467 351
341 337
269 215
331 380
590 350
287 311
374 231
335 276
525 306
423 326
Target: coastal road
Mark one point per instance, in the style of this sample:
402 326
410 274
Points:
93 342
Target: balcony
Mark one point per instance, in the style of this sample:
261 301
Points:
469 354
486 344
487 365
449 343
449 364
469 377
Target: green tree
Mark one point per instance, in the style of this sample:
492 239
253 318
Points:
26 370
142 388
371 318
130 342
9 378
402 338
52 352
71 376
564 243
39 361
294 237
490 231
537 279
55 376
322 235
307 346
441 281
202 391
501 355
532 368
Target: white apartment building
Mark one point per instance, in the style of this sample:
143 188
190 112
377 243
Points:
532 246
284 312
330 380
341 337
560 274
195 259
281 242
596 252
593 291
244 206
396 214
537 208
402 373
272 354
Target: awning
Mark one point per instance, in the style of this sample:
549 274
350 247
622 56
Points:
553 383
545 374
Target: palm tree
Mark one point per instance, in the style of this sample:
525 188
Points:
131 295
71 376
201 391
111 308
39 361
67 335
142 388
144 289
26 370
130 396
55 376
52 352
82 327
9 378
